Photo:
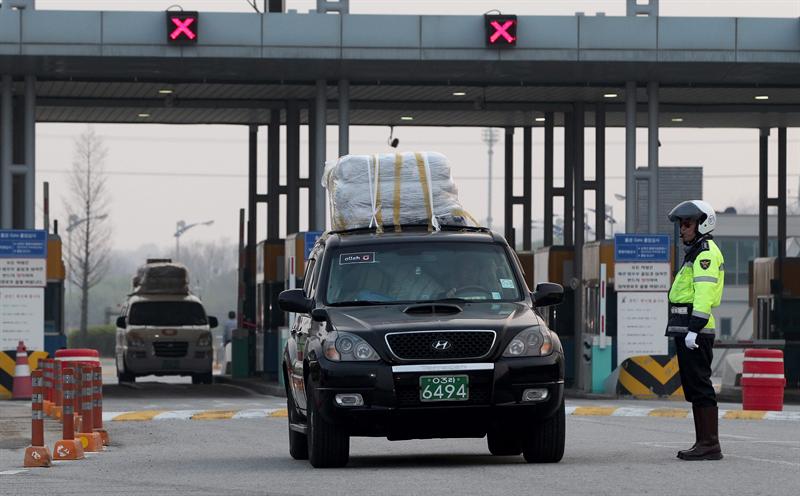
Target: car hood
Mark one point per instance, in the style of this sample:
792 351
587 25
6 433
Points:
498 317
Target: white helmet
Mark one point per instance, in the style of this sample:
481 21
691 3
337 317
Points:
698 210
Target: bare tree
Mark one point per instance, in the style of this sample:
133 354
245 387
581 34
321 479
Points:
89 229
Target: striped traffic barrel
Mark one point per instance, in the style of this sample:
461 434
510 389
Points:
763 380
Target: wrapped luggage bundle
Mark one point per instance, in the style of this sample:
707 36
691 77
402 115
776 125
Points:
161 278
393 189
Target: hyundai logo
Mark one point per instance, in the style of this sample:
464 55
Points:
441 345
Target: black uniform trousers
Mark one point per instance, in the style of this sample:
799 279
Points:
695 370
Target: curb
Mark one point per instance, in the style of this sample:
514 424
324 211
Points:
574 411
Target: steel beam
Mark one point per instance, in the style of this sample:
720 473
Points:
630 156
527 187
577 133
652 156
782 193
569 175
763 192
252 224
273 175
292 167
30 152
508 180
320 122
548 179
6 151
313 181
344 117
600 171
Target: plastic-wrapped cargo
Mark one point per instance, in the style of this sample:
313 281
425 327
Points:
161 278
393 189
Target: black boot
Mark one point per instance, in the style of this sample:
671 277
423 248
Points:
696 417
708 445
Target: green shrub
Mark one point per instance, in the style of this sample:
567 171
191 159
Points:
100 338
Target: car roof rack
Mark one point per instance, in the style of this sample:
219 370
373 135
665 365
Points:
413 227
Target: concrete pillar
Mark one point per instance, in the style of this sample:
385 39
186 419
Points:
781 200
569 178
652 157
581 370
30 152
600 171
344 117
6 150
630 156
320 123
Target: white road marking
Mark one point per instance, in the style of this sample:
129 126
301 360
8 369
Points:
782 415
177 415
252 413
12 472
631 412
766 460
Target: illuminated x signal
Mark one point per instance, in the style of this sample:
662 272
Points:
501 30
182 28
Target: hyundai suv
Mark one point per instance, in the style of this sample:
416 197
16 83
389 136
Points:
411 334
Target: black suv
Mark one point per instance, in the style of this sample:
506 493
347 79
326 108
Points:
411 334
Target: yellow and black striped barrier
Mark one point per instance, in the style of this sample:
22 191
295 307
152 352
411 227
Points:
650 376
8 363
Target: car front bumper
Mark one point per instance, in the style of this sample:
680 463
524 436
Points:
392 406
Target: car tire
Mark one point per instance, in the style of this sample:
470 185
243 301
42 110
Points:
544 441
328 445
124 375
503 443
206 378
298 442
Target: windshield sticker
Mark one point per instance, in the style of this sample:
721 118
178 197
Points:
507 283
496 295
354 258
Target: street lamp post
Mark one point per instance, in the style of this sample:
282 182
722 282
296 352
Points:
181 227
490 138
73 222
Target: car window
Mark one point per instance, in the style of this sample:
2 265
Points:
418 272
167 313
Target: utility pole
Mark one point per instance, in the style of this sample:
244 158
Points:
490 138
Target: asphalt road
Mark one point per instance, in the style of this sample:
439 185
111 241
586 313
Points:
604 455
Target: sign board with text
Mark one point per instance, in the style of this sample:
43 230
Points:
23 243
641 248
21 318
641 276
641 323
23 272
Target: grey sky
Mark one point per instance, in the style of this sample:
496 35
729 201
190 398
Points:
160 174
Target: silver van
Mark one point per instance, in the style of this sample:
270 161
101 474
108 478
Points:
163 334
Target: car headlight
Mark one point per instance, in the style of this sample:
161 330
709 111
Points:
530 342
204 340
135 340
346 347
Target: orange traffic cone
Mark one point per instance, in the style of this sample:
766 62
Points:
22 388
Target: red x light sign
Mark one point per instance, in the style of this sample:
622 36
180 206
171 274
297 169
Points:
501 30
182 28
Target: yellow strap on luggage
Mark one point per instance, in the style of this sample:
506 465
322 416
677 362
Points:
423 182
398 166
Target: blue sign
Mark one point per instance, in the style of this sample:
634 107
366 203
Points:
23 244
311 237
641 248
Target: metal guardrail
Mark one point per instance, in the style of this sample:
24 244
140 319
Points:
751 343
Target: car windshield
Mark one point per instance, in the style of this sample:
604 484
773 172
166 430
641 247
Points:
167 313
420 272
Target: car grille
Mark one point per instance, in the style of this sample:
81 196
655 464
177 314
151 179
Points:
170 349
422 345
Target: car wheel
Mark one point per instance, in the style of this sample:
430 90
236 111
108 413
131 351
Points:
298 442
206 378
544 441
328 445
124 375
503 443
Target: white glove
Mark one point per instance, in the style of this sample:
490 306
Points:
691 340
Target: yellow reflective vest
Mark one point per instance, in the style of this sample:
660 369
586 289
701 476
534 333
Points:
697 289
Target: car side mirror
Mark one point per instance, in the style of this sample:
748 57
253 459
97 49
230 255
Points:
319 315
547 294
293 300
212 322
121 323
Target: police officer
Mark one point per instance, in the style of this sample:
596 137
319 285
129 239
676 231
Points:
696 290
